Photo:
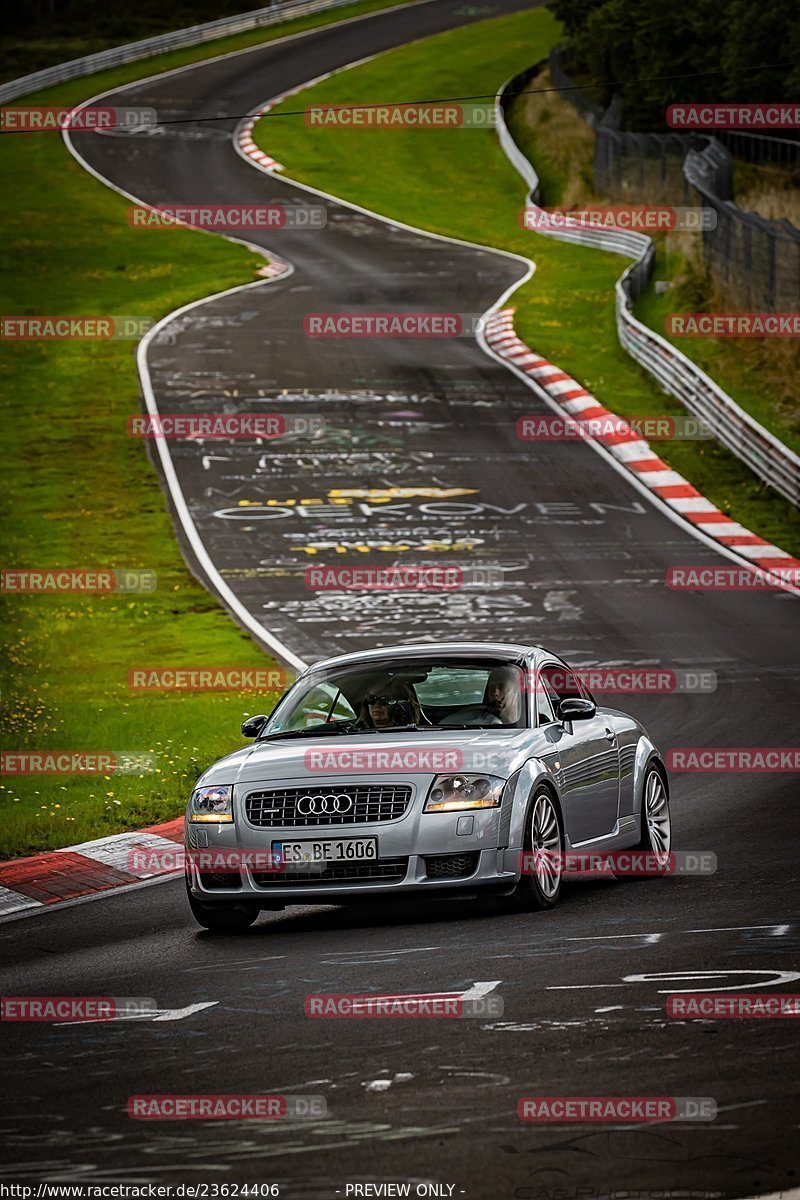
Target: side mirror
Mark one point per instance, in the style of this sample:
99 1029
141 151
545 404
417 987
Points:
253 725
574 708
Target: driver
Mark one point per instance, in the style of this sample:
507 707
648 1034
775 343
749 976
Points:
389 704
502 695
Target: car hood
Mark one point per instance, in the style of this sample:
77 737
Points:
493 752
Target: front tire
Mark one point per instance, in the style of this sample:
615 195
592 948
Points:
222 918
656 827
540 887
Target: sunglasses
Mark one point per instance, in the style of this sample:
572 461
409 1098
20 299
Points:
385 700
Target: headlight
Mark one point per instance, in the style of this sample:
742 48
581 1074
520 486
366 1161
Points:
212 803
451 792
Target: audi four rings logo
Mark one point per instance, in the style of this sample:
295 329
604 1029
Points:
324 806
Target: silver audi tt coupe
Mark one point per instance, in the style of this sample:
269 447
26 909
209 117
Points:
449 769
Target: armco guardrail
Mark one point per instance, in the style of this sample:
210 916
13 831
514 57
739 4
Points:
192 36
765 454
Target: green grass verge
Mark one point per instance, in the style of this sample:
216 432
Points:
85 495
459 182
738 365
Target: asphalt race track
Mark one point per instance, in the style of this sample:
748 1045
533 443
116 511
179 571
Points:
584 556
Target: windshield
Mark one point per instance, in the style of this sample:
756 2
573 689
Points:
423 694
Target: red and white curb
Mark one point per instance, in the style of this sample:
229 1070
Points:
632 452
243 139
243 136
275 268
76 871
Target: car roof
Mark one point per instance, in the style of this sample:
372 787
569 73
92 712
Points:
414 650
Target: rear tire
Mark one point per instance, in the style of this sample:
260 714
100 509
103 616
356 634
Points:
222 918
539 889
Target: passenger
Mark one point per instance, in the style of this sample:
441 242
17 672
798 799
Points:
502 696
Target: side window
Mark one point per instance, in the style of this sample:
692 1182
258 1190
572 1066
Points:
559 683
544 705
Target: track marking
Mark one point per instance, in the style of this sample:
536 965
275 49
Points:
777 977
650 938
354 958
578 987
237 962
777 930
155 1014
480 989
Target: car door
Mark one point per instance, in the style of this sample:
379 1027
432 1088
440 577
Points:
589 757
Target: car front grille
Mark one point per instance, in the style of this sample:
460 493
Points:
451 866
309 807
385 870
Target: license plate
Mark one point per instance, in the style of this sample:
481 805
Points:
327 851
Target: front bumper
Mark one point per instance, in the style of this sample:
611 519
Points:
417 851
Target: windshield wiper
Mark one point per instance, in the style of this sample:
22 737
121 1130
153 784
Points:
314 730
310 731
390 728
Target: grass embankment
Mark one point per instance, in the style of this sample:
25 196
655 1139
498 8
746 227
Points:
761 374
458 182
85 495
